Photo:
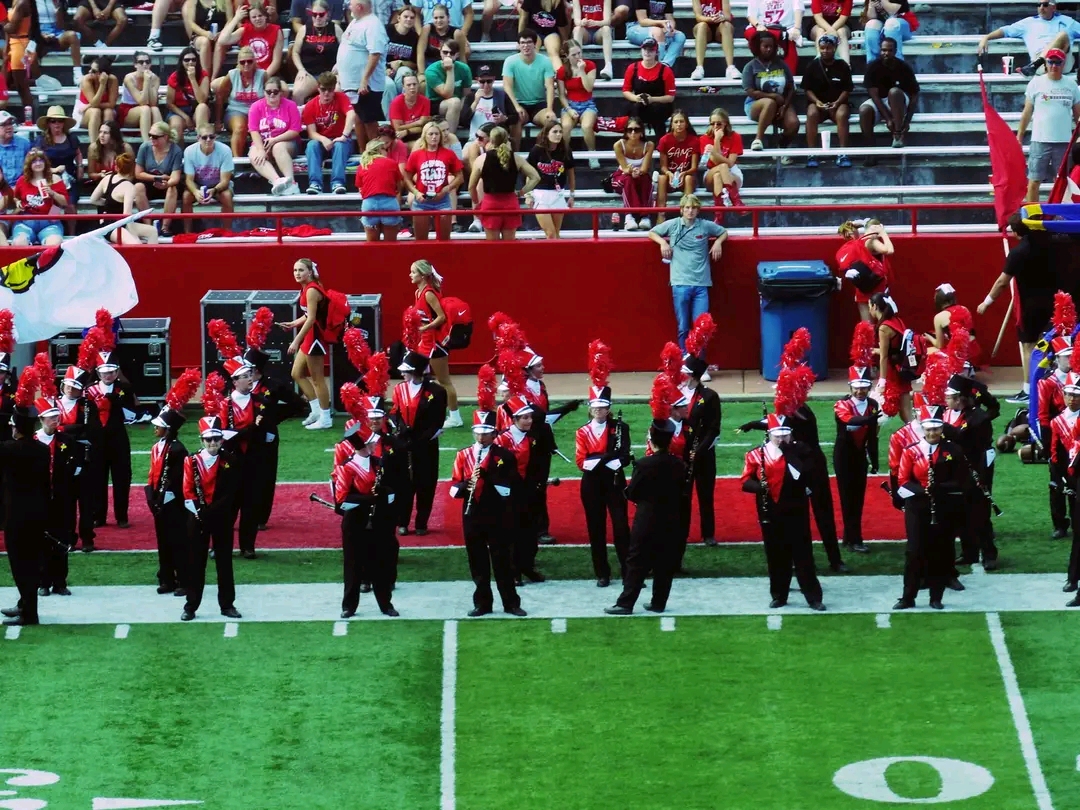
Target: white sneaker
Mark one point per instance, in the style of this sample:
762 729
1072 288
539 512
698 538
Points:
452 421
706 377
291 189
644 224
323 422
77 75
279 186
698 74
733 72
594 163
757 145
475 226
631 223
310 418
485 37
154 44
606 72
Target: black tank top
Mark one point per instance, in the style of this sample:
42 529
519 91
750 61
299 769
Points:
318 54
435 43
111 206
498 180
205 17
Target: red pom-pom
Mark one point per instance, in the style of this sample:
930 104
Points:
357 349
671 363
46 375
599 363
259 330
700 334
353 401
796 348
103 320
378 375
485 388
510 337
936 378
959 348
960 316
7 331
890 404
223 338
411 320
863 343
1064 319
213 394
183 389
26 392
496 322
88 350
512 367
663 394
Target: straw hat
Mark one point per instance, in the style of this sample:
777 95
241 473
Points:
55 111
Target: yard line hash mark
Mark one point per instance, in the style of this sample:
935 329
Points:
558 625
231 629
883 621
449 701
122 631
12 632
774 622
341 628
667 624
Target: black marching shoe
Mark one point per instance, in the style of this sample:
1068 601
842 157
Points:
517 611
180 592
904 604
649 606
955 585
420 532
231 613
391 611
248 554
87 548
816 605
710 542
163 589
123 524
348 614
262 527
546 540
61 591
1069 587
618 610
1060 534
43 591
991 565
1074 602
777 603
187 615
937 604
603 582
840 568
477 612
365 587
402 531
858 548
11 613
534 575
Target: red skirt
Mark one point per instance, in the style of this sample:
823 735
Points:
313 343
502 212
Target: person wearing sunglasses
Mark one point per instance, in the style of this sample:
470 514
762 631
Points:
274 122
234 93
330 121
634 177
98 91
159 167
434 35
187 96
138 105
315 51
488 105
447 82
93 14
1052 107
1040 32
208 171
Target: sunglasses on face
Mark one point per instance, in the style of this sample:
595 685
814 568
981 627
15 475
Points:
207 137
154 136
273 92
319 14
1055 62
633 129
190 60
445 53
1045 5
56 120
245 62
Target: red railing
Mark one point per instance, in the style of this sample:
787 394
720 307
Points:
754 211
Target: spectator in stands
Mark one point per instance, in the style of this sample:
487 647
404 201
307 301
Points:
655 19
234 93
1040 32
208 171
554 162
64 152
863 259
498 168
712 23
361 68
649 86
410 111
13 148
828 86
1052 107
770 91
159 167
7 205
395 149
432 175
447 81
315 51
102 154
782 19
39 191
883 19
330 121
459 14
633 179
251 27
489 104
403 43
678 150
474 149
592 25
576 76
138 104
187 95
274 122
549 19
894 95
30 34
98 92
434 35
117 193
93 14
378 180
204 20
529 83
720 149
831 18
685 241
300 13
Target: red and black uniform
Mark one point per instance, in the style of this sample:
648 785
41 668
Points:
116 405
487 521
526 497
855 454
1062 443
1073 574
895 360
65 464
778 477
418 413
245 439
904 437
431 340
973 432
364 500
602 453
165 498
24 464
79 419
704 419
872 273
680 446
315 341
933 515
1051 403
211 486
7 407
282 402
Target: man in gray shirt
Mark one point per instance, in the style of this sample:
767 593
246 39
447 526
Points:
361 67
684 244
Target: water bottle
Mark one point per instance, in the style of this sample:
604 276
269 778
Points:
28 115
726 198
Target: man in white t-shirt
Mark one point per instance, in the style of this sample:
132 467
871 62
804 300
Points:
1052 108
361 68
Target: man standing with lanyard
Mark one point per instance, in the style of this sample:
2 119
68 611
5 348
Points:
361 67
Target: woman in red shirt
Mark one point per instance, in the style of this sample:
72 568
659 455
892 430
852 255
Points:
863 259
434 331
378 180
720 148
188 95
890 331
432 174
310 345
576 77
39 191
251 27
951 314
678 160
831 17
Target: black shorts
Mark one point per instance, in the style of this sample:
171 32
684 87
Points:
439 352
369 107
1035 314
531 111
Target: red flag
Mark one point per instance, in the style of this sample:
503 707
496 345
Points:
1008 169
1061 182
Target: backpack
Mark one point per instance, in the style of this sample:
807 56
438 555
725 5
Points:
912 356
337 315
459 317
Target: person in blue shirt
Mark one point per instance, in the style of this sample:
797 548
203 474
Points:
1042 31
13 149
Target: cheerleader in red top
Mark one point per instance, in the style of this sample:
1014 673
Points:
310 344
434 331
950 314
890 331
863 260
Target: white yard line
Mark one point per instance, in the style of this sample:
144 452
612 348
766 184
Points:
231 629
341 628
883 621
446 723
667 624
558 625
774 622
1019 713
122 631
12 633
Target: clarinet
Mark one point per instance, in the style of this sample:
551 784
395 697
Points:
764 488
618 442
163 484
473 479
977 480
375 493
690 466
930 492
200 497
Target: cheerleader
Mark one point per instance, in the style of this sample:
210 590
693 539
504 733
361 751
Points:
434 332
311 344
950 315
891 329
863 260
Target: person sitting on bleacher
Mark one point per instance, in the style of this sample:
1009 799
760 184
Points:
434 35
634 177
529 84
649 86
713 24
204 20
678 150
315 51
96 14
64 152
188 94
102 154
1042 31
655 19
446 82
592 25
549 19
770 91
159 167
720 149
894 94
489 104
39 191
781 18
300 14
404 41
883 19
208 171
832 17
274 122
251 27
234 93
98 91
410 111
13 148
576 77
118 194
459 15
30 36
330 122
7 205
827 83
138 104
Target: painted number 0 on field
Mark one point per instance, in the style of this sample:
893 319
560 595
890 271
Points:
959 780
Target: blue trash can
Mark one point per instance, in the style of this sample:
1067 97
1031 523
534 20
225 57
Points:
794 294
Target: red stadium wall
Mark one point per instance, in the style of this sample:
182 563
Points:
566 293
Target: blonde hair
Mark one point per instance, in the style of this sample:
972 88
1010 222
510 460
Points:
430 125
500 145
311 266
371 151
427 270
161 128
722 114
246 51
848 229
689 199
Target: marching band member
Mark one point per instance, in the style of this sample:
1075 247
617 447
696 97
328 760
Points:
165 485
682 440
855 453
116 405
1062 445
483 478
933 478
658 489
1051 402
419 409
363 498
1073 571
902 438
80 419
211 485
7 382
602 452
704 416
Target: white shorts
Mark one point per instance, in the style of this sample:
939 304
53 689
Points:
869 104
736 170
546 198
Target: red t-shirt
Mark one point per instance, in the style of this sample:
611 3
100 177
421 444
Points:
592 9
261 42
679 153
712 8
831 10
400 111
575 88
380 177
729 145
650 75
431 171
33 201
184 95
329 121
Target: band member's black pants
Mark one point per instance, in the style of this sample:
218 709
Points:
822 504
705 484
929 554
267 472
421 488
368 556
603 492
219 534
787 543
170 526
851 469
489 551
115 462
659 554
25 542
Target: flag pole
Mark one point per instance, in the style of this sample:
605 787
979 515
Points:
1012 303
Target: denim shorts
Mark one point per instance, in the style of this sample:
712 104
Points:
1044 159
441 204
380 202
581 107
37 230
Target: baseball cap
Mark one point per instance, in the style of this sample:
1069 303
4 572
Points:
485 72
1055 53
6 118
649 44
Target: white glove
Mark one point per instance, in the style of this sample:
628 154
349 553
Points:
990 456
169 497
227 435
852 274
614 464
590 463
454 490
796 474
504 492
390 498
190 506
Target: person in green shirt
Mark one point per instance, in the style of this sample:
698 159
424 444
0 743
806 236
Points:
448 80
529 84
